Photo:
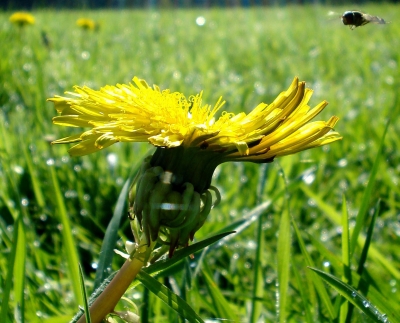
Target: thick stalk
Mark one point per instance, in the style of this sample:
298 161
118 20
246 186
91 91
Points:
108 299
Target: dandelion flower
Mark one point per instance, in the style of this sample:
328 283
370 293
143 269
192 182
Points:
22 19
191 142
87 24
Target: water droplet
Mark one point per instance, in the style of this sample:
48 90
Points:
247 265
112 159
200 21
18 169
311 202
86 197
342 162
136 295
84 212
309 178
77 168
94 265
27 67
59 226
65 159
36 243
235 256
366 304
70 194
251 245
324 235
50 162
25 202
353 294
43 217
326 264
85 55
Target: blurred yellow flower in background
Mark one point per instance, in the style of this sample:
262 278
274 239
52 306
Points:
87 24
21 18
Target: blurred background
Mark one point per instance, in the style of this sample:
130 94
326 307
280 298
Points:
247 52
97 4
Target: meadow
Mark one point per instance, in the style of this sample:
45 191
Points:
335 208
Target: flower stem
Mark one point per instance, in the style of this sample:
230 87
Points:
108 299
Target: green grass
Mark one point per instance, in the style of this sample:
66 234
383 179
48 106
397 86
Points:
54 210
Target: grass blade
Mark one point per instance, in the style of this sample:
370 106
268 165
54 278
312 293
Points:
336 219
362 285
220 304
284 244
352 296
111 236
9 278
84 295
180 254
19 274
344 307
67 238
317 282
258 284
169 298
360 219
304 297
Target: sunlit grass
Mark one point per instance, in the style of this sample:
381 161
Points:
247 56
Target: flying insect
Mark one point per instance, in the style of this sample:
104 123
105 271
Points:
356 19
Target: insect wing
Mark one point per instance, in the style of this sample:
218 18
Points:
374 19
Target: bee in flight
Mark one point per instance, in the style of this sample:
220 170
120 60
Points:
357 18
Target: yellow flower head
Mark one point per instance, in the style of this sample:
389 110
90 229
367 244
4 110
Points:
87 24
139 113
22 18
173 193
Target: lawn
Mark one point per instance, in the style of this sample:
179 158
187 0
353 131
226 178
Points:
334 208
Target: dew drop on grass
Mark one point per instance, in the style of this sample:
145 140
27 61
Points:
112 160
200 21
136 295
366 304
43 217
326 264
309 178
85 55
94 265
342 162
24 202
36 243
18 169
86 197
50 162
311 202
70 194
77 168
353 294
83 212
